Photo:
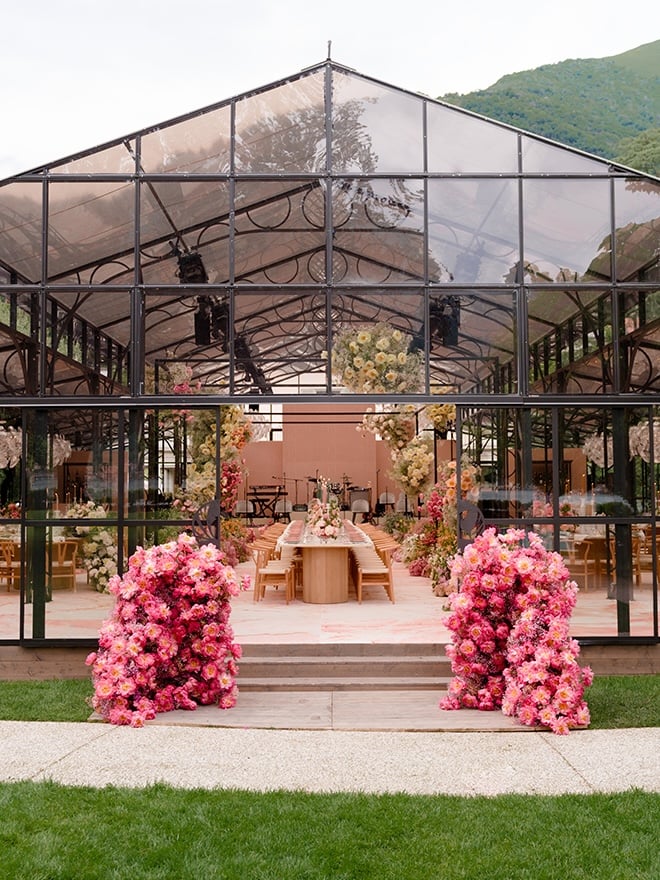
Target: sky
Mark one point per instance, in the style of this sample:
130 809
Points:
78 73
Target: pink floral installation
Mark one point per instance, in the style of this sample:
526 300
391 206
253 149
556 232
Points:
168 644
510 647
429 547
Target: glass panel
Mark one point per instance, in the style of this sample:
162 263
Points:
570 333
379 231
278 239
566 229
639 313
473 230
282 130
91 232
20 229
19 328
199 145
375 128
473 342
637 212
378 341
118 159
185 327
88 338
459 143
280 343
543 158
60 598
188 217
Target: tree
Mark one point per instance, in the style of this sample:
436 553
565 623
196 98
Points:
642 152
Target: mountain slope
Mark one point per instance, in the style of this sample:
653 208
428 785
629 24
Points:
592 104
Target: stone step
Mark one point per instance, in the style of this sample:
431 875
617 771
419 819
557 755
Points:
349 666
358 667
343 683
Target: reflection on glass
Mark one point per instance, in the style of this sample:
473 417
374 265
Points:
364 137
283 129
460 143
566 224
20 228
473 230
106 211
198 145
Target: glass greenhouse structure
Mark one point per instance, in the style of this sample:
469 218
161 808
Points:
223 253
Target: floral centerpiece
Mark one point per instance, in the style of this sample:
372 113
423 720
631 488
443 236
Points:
168 644
376 359
510 648
324 518
11 511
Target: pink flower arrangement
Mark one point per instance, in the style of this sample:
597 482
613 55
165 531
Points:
510 647
324 519
168 644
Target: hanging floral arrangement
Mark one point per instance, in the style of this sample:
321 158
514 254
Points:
510 647
413 466
394 423
594 450
11 446
639 439
440 415
376 359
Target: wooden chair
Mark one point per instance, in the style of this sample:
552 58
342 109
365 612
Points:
636 558
274 573
10 564
63 561
369 568
581 564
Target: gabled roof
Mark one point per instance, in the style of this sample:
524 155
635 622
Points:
245 184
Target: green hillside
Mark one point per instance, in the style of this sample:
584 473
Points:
595 104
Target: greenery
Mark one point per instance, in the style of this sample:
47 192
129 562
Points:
597 105
615 701
52 831
163 832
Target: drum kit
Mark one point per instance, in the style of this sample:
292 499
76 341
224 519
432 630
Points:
343 490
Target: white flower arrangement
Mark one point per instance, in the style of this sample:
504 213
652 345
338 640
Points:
376 359
100 557
413 466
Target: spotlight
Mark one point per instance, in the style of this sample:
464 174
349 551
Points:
203 320
191 269
445 318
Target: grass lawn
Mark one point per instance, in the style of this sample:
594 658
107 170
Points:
52 832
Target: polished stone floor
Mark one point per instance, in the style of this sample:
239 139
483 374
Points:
417 616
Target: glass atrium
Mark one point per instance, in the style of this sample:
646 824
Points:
233 245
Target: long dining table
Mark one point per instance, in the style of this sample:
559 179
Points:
325 562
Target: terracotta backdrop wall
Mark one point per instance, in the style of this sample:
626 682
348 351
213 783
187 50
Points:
318 441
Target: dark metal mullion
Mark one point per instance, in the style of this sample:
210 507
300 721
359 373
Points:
329 224
521 292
